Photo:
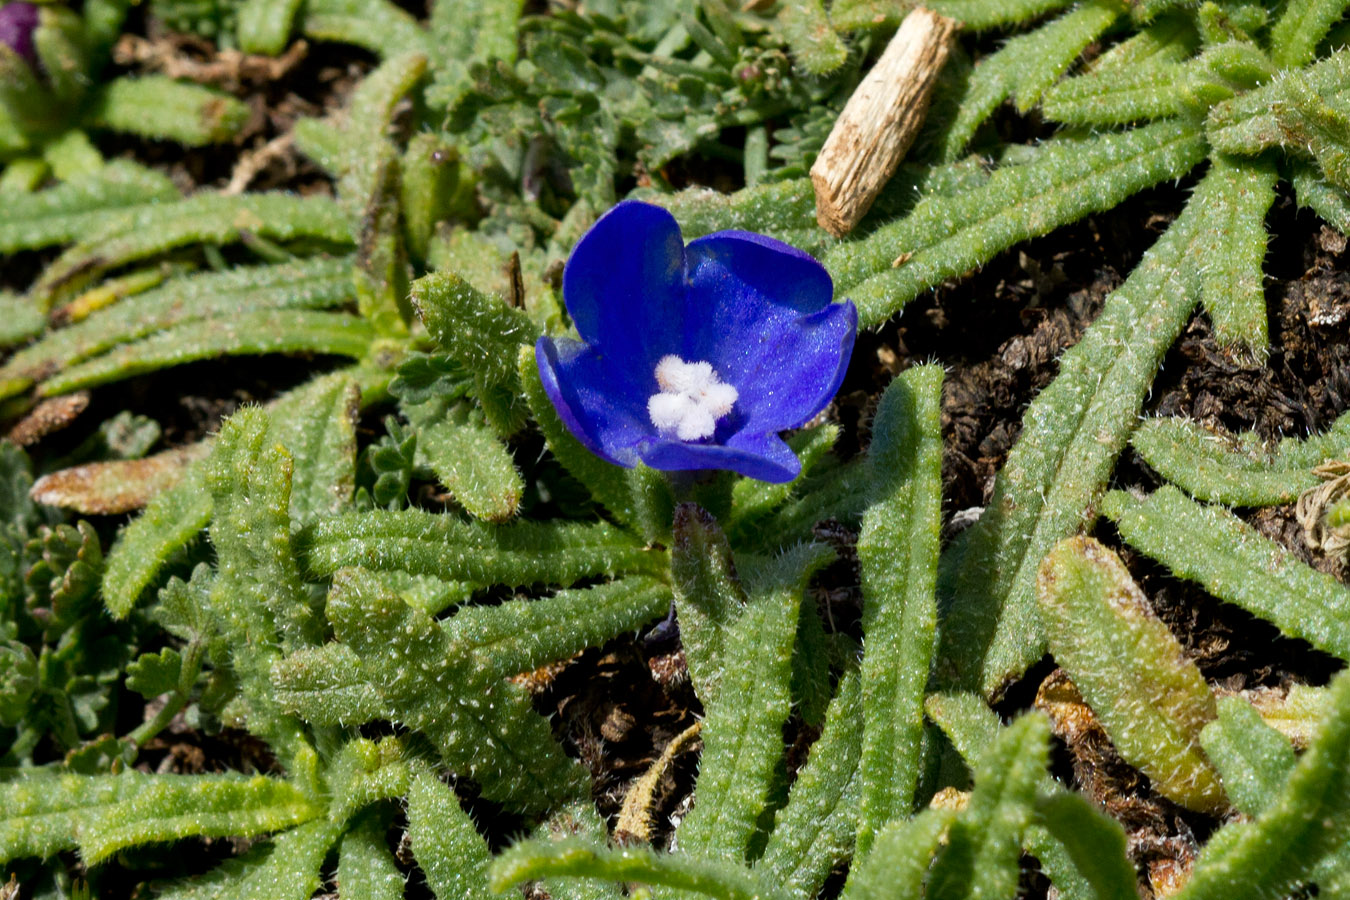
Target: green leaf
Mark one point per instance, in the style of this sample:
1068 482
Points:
1071 435
468 458
102 814
1028 64
898 552
158 107
377 25
743 731
1237 470
1140 78
466 33
448 850
366 868
286 868
484 727
150 229
152 674
171 519
1300 28
1244 861
980 858
325 686
1083 852
977 15
518 554
785 210
248 334
901 858
265 25
708 596
1233 562
815 45
945 236
1253 759
316 423
1150 698
318 283
1327 200
481 333
72 209
535 859
522 635
1232 242
814 831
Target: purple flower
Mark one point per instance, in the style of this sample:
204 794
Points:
18 21
694 357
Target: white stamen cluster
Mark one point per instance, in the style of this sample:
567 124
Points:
691 400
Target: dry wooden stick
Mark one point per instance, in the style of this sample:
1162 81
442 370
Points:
879 122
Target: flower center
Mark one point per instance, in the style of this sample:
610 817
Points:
691 400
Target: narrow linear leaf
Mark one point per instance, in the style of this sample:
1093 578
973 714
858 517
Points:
1238 470
325 686
743 730
101 814
155 106
289 867
1089 849
521 636
947 236
1071 435
265 25
202 219
74 208
1150 698
316 423
1327 200
377 25
1300 28
532 860
471 461
1026 65
447 847
1232 247
1278 113
519 554
1253 759
1233 562
898 552
815 45
815 830
977 15
481 332
1312 813
366 868
984 842
901 858
708 595
249 334
318 283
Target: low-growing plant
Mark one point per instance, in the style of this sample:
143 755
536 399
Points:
357 608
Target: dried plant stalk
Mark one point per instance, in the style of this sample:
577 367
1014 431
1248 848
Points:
880 121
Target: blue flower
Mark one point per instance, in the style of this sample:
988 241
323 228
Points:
694 357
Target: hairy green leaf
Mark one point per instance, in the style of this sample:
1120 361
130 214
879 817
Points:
1071 436
265 25
366 868
1244 861
898 552
1253 758
1234 563
377 25
170 520
1026 65
978 15
1232 244
815 830
447 847
708 595
1084 850
74 208
1150 698
535 859
468 458
99 815
901 858
946 236
1238 470
1301 27
742 733
449 548
155 106
286 868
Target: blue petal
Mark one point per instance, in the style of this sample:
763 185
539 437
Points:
624 285
602 408
769 328
762 456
